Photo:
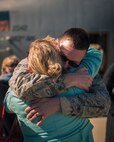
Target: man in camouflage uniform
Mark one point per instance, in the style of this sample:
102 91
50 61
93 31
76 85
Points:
29 86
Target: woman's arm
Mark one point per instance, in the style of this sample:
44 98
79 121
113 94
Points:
29 86
92 61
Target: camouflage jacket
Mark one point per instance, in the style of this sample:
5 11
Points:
95 103
28 86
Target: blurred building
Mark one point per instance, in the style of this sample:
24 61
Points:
32 19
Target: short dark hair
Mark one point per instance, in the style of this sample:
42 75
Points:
79 36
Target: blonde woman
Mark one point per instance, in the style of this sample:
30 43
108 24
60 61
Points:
8 65
44 59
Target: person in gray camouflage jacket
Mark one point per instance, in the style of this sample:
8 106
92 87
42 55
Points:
28 86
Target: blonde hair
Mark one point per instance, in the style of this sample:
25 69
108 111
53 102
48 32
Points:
43 58
10 61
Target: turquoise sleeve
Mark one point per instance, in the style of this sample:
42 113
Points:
92 61
7 102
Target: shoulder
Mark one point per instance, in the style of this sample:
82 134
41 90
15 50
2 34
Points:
23 62
16 104
92 51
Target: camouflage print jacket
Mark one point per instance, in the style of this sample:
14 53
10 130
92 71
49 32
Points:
28 86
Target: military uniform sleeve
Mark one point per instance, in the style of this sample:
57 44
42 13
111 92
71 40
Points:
29 86
95 103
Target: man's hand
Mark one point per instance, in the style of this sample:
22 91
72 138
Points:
79 79
43 108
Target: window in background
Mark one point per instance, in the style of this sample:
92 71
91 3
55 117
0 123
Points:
4 21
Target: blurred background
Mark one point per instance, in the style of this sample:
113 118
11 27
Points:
25 20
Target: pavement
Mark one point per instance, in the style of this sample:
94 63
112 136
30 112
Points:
99 130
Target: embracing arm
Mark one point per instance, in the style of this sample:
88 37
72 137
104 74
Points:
92 61
95 103
29 86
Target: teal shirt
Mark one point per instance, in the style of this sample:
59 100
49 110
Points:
57 127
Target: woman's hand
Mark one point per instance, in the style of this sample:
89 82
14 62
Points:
79 79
